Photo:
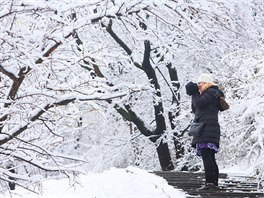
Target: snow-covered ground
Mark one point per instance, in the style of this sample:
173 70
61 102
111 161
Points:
114 183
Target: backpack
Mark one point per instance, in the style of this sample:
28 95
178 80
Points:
223 105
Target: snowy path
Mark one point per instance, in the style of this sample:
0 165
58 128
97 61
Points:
230 186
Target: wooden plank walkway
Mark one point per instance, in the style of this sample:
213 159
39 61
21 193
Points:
229 187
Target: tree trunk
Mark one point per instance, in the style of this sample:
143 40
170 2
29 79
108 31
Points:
179 150
127 112
164 157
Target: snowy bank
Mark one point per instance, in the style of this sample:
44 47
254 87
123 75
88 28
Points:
114 183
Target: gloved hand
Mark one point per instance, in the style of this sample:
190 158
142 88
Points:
191 88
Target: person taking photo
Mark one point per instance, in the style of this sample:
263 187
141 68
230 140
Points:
205 105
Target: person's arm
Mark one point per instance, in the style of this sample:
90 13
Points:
193 107
191 88
203 100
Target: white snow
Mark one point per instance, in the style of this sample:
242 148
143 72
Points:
114 183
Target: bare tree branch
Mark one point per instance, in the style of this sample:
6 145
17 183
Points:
116 38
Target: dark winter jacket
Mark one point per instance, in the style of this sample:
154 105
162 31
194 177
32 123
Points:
206 108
